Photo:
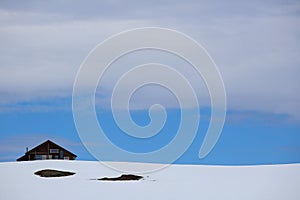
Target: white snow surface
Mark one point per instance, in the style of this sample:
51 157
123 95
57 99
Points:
175 182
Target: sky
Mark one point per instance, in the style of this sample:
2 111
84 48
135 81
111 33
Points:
255 45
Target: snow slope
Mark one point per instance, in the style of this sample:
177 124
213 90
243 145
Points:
17 181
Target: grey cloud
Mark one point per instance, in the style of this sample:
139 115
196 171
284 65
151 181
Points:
254 43
193 10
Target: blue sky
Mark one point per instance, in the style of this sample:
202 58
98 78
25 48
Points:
255 44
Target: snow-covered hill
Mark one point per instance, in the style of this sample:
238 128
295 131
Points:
17 181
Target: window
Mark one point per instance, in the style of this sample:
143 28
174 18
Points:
61 155
66 158
44 157
56 156
54 150
38 157
50 156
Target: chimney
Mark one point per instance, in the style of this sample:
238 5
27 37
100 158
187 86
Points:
26 149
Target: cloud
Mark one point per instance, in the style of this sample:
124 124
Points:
41 60
254 43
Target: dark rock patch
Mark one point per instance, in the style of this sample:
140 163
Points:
52 173
123 177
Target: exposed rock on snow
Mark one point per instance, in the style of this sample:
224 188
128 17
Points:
53 173
123 177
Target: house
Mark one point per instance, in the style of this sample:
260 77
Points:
47 150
